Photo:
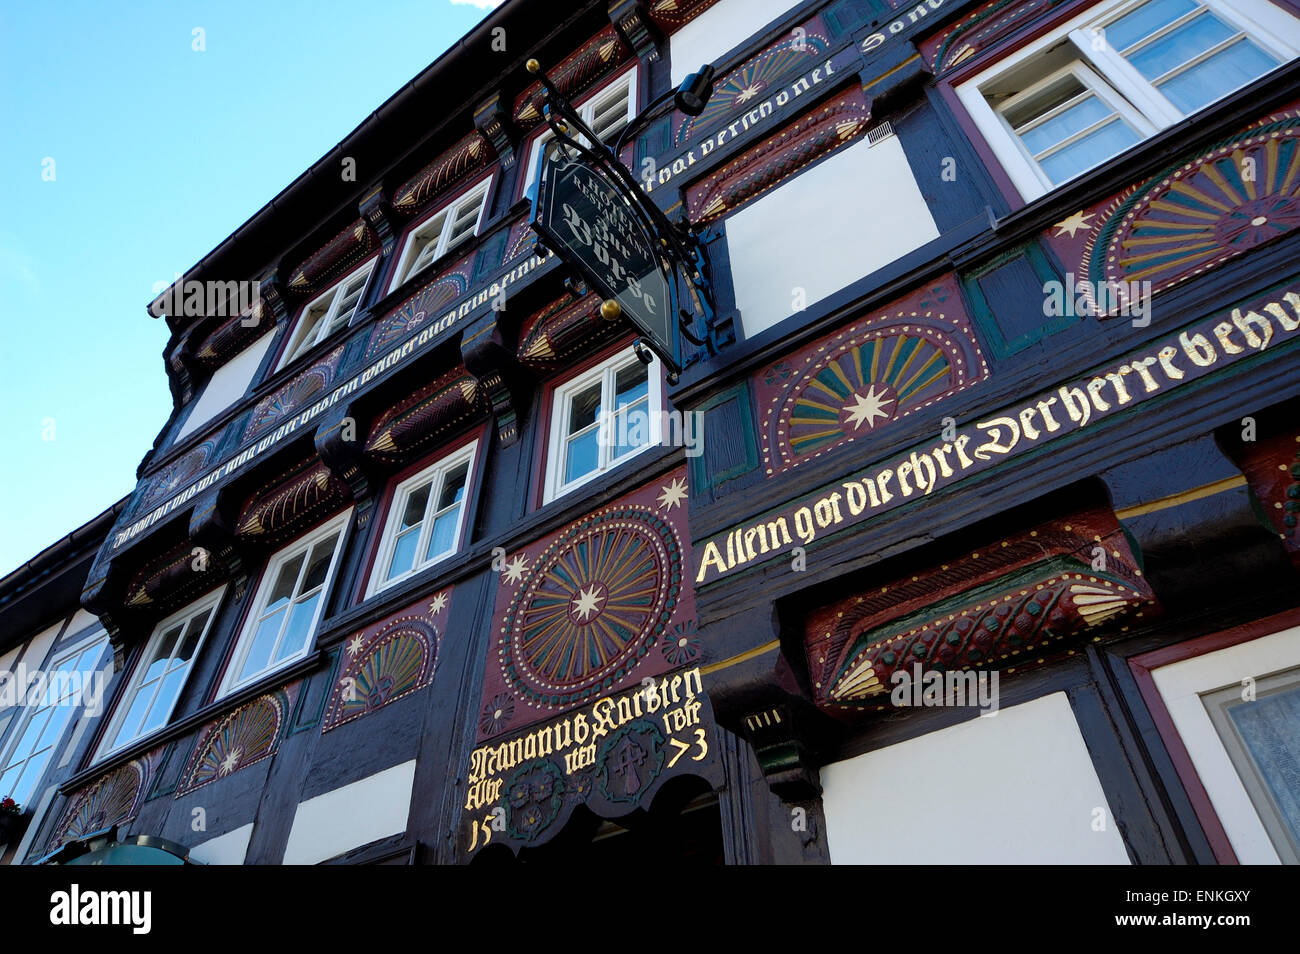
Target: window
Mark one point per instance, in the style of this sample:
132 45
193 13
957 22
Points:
328 313
426 519
289 602
605 112
68 686
449 227
160 674
1235 710
601 418
1114 76
1261 734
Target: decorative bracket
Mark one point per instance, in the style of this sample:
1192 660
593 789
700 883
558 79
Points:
492 119
494 365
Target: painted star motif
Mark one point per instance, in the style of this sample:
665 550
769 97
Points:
438 604
355 644
1075 223
515 568
585 604
673 494
230 762
867 407
748 93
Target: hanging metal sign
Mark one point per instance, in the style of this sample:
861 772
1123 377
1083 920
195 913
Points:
586 220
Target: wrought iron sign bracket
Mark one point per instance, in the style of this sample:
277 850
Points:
672 254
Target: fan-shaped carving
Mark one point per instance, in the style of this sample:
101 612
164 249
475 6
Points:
564 329
240 739
593 59
293 396
111 800
432 413
336 257
297 499
395 662
471 153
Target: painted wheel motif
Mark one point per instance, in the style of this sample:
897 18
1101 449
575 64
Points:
593 605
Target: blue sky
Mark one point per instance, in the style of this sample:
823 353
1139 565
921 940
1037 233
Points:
159 152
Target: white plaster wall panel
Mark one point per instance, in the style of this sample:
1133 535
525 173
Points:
228 849
831 225
1015 788
348 817
226 386
38 647
82 622
719 29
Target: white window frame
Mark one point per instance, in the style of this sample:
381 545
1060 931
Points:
303 339
561 397
1267 25
442 245
126 699
586 108
1182 686
433 476
27 713
231 681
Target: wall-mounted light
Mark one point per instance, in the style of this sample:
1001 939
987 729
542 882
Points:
693 95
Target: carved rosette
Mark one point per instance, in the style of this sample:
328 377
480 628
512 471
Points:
586 611
757 78
292 502
1006 604
334 259
465 157
846 387
177 474
431 414
827 128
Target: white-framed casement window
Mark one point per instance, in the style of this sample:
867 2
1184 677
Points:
150 698
1236 711
452 225
69 685
1118 73
288 605
600 418
326 314
605 112
426 520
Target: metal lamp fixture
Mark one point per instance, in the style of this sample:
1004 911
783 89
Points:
693 95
